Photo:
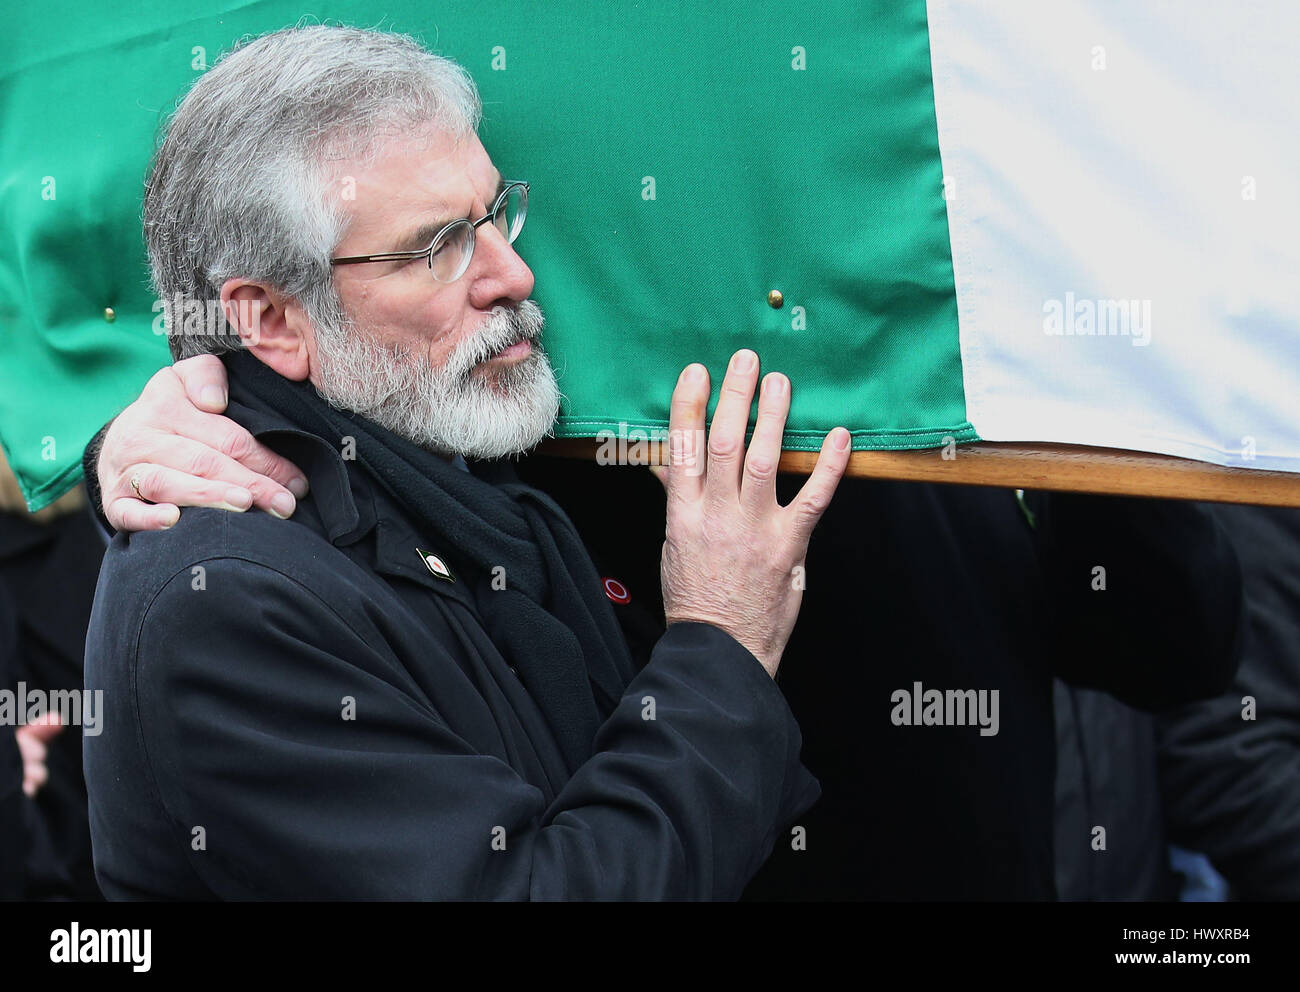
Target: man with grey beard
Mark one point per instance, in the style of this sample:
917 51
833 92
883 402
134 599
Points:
450 409
420 686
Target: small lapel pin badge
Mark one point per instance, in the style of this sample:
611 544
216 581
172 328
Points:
616 591
435 565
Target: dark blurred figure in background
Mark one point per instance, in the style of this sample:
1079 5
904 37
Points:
1107 778
13 835
1230 766
49 563
961 586
1220 778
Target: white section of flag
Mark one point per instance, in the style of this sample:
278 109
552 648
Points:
1099 153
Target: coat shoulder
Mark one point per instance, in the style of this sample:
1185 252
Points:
281 557
139 565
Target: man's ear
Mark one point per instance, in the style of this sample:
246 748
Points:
271 326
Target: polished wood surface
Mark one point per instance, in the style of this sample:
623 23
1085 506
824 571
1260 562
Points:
1062 467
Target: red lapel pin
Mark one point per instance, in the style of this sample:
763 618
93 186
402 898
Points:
616 591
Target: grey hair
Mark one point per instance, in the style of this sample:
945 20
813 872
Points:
239 186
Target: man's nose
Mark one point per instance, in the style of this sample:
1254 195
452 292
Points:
497 270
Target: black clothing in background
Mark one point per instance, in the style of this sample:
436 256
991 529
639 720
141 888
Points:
1232 785
48 570
1106 776
13 831
950 586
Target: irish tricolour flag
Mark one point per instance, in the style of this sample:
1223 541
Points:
947 221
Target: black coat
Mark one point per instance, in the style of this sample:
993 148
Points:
1107 775
301 709
1231 776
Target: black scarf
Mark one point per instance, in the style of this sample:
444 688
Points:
553 621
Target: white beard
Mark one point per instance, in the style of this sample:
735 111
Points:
447 410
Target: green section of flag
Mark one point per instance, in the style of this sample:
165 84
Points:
685 161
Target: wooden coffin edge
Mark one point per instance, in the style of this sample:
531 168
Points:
1059 467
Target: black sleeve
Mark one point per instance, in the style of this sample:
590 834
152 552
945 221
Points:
1230 767
239 711
90 469
1145 597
